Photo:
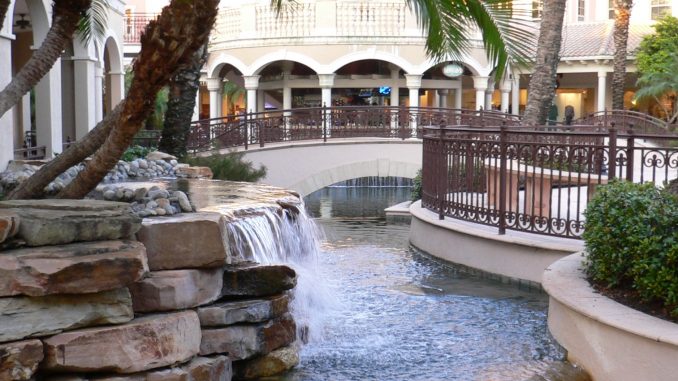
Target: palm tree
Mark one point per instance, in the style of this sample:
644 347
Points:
542 87
4 6
622 14
66 15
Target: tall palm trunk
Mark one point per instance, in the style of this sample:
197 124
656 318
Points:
622 11
183 89
168 44
65 17
542 87
4 6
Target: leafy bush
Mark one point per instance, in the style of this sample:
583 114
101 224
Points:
230 167
631 237
135 152
416 187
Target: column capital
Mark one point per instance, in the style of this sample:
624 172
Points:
480 83
602 74
213 84
251 82
326 81
443 91
413 81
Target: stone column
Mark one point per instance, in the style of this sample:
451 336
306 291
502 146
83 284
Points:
117 88
436 99
505 89
287 97
48 111
326 82
458 93
395 86
251 85
98 93
413 82
602 89
261 101
7 120
515 94
480 85
214 87
196 109
443 97
488 95
84 69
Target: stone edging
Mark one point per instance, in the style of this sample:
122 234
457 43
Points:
610 340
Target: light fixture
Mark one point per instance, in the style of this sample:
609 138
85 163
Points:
22 23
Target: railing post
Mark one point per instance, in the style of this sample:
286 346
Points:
502 180
324 117
247 133
260 129
442 175
630 150
613 152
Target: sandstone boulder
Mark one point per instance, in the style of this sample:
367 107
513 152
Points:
20 360
254 280
145 343
243 311
77 268
244 341
217 368
274 363
157 155
194 172
22 317
193 240
176 289
9 224
58 222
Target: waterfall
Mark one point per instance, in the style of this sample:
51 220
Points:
375 182
290 237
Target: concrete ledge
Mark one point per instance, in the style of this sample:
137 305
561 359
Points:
515 255
609 340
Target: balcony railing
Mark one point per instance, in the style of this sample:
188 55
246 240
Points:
135 24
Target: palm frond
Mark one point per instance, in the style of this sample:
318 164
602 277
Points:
93 23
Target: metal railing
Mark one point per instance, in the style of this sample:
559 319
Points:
326 123
536 180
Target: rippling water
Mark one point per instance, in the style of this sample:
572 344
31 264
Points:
397 314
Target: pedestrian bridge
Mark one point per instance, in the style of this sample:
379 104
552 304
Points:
311 148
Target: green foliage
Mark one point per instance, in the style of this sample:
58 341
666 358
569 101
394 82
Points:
656 49
662 82
157 118
416 187
93 23
229 167
632 241
135 152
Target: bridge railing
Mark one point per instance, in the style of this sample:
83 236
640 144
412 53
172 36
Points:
536 180
323 123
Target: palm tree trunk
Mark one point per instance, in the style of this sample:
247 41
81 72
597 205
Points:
169 43
65 17
4 6
622 12
542 87
183 89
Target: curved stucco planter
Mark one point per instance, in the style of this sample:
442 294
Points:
611 341
515 255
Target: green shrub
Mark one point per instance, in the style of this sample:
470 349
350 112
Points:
135 152
631 238
416 187
229 167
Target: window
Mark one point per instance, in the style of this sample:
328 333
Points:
537 8
507 5
610 14
660 8
581 10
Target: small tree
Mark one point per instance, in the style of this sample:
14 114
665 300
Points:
655 49
662 83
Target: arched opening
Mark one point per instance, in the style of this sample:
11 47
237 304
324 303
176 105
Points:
287 84
113 76
448 84
370 82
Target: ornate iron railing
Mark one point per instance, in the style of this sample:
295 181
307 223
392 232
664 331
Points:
536 180
135 24
331 123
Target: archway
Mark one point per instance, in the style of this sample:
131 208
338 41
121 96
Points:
113 75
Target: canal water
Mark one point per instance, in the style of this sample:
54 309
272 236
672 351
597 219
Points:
392 313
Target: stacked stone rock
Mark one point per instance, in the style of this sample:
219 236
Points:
146 202
81 300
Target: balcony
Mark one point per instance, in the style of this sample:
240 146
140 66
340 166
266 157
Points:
135 24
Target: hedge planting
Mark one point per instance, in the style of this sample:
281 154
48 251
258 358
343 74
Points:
631 241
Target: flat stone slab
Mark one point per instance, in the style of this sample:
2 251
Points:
173 290
9 224
216 368
145 343
274 363
244 341
22 317
77 268
255 280
58 222
191 240
194 172
243 311
19 360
